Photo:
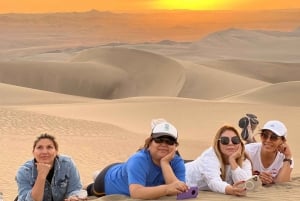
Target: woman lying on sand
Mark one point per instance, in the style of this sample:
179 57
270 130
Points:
223 167
49 176
152 172
272 157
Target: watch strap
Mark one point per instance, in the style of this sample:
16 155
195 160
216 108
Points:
289 160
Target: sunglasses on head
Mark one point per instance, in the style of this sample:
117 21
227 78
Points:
272 137
226 140
167 141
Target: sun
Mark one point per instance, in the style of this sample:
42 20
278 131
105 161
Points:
189 4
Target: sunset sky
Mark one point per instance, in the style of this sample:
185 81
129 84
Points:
41 6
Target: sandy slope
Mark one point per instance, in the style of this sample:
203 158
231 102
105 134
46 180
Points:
49 70
110 131
285 93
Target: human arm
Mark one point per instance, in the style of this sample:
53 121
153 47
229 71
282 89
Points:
74 184
37 192
75 198
240 173
138 191
28 188
168 172
146 180
235 189
210 166
284 174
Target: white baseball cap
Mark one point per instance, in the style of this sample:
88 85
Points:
164 129
276 127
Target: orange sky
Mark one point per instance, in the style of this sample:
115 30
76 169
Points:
40 6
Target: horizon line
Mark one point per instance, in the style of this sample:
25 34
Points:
147 11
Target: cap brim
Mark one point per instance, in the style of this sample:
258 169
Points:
156 135
273 132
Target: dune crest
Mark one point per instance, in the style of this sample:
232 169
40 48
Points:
285 93
175 65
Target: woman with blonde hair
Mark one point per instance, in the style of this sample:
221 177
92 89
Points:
223 167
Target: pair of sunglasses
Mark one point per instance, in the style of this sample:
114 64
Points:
273 137
226 140
167 141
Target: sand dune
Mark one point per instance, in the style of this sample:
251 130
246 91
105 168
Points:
15 95
76 78
151 74
97 73
271 72
75 29
201 78
116 123
286 93
235 43
138 69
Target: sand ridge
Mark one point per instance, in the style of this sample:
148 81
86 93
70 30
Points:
97 88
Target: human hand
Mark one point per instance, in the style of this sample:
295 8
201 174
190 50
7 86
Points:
285 149
266 178
177 187
236 189
170 155
75 198
236 154
43 169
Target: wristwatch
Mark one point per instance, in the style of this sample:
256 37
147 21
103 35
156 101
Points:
289 160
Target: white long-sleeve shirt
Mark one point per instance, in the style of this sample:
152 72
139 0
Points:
205 172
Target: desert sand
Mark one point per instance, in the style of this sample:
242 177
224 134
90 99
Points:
98 95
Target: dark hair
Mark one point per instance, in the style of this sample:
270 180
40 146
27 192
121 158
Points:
148 141
45 136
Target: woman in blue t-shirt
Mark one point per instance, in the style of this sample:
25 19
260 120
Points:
152 172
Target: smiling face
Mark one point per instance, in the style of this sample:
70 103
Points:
45 151
270 141
160 148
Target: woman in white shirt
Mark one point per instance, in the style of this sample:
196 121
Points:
222 167
272 157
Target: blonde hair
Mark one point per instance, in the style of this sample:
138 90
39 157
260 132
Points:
216 146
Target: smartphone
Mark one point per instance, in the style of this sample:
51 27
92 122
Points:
252 183
191 193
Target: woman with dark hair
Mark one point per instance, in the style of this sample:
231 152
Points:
272 157
152 172
223 167
49 176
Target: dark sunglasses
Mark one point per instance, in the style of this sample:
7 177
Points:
226 140
167 141
272 137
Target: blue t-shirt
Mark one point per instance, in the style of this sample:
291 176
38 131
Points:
139 169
